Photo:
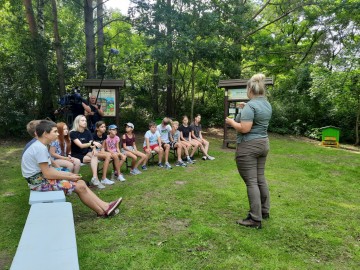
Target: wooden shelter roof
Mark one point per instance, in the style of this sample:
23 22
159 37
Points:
240 82
104 83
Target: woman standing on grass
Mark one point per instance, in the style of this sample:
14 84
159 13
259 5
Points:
252 149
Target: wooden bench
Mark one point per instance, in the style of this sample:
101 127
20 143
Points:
46 197
48 240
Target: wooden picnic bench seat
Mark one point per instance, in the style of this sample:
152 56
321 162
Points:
48 240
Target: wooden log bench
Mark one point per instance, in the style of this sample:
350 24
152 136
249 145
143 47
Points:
48 240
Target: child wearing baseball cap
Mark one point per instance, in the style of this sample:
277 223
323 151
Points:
129 149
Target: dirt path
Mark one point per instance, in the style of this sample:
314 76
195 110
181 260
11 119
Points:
219 134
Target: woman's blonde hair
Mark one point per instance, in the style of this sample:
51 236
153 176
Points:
76 123
256 85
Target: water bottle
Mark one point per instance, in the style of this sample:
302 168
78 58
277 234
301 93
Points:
112 175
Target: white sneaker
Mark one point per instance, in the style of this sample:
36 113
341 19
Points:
135 171
168 166
107 182
210 158
96 182
121 177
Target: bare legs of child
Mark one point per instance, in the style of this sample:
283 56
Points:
118 162
106 157
92 158
136 163
103 209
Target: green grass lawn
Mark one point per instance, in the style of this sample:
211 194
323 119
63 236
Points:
184 218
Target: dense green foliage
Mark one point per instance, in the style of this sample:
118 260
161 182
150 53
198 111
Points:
184 218
173 54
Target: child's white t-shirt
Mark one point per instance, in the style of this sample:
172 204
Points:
153 137
164 132
35 154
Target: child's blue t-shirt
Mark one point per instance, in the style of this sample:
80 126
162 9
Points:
153 137
175 136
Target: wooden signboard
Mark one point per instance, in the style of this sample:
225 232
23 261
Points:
235 93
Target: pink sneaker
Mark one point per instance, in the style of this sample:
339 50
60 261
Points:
114 213
112 206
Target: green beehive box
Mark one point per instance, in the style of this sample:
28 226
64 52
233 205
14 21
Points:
330 133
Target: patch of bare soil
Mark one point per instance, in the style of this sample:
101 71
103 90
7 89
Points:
5 259
343 146
180 182
218 133
176 225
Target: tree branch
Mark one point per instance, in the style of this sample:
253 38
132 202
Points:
111 21
277 19
260 10
315 38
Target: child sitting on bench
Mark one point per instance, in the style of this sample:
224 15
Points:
129 149
84 148
100 137
175 144
60 150
35 167
112 145
152 142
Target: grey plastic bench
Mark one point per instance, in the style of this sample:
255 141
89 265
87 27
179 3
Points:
48 240
46 197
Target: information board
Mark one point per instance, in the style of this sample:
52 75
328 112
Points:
107 100
239 93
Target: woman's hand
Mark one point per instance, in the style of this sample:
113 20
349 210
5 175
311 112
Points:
229 121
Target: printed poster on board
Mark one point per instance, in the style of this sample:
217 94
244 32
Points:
240 93
107 100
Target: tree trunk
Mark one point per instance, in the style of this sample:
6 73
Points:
58 50
40 17
90 39
357 124
100 39
46 108
169 81
357 139
174 89
169 90
156 89
192 90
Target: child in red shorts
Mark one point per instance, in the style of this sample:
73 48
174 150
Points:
152 142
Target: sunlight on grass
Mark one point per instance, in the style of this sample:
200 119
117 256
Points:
184 218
